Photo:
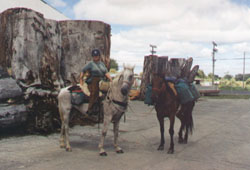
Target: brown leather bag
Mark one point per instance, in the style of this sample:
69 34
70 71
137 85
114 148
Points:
104 85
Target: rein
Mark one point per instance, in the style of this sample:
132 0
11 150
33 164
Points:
123 104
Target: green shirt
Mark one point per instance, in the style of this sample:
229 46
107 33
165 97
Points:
97 69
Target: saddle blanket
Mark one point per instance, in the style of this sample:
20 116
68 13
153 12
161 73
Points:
80 94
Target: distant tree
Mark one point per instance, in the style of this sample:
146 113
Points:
210 75
216 77
239 77
113 64
248 81
113 71
201 74
228 77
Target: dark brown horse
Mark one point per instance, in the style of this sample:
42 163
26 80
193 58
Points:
167 105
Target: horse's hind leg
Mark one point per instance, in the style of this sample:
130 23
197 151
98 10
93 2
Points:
106 122
116 133
66 125
189 121
62 135
64 139
181 118
171 132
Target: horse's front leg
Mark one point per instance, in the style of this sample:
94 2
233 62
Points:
161 122
116 134
171 132
106 122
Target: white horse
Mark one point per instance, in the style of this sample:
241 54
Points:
114 106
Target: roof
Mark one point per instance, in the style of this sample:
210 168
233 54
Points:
37 5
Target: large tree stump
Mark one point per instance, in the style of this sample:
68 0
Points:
148 68
175 67
45 55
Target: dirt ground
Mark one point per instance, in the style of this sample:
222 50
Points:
221 140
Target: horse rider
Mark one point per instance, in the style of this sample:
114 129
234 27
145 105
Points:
97 71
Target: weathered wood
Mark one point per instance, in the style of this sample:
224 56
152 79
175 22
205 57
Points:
9 89
193 73
78 40
162 64
44 55
186 68
52 53
9 115
175 67
149 68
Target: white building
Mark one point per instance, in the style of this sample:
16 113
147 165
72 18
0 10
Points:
36 5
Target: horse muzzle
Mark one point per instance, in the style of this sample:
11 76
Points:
125 89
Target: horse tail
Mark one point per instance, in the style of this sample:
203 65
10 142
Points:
188 117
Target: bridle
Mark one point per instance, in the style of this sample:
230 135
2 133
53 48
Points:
110 97
126 81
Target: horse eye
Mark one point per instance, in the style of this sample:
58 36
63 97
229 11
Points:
130 78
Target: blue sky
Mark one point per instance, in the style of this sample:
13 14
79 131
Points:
179 28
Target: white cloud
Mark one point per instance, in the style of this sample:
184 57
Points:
179 28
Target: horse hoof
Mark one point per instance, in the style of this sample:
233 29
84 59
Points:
103 154
160 148
68 149
119 151
170 151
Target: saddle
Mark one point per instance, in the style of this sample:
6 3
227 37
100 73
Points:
80 94
171 81
186 92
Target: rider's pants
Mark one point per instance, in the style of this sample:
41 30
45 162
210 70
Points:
93 87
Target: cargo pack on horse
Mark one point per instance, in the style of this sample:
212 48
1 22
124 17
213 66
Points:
114 106
167 104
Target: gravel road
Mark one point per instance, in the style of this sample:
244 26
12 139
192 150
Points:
221 140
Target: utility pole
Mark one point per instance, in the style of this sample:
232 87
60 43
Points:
213 59
153 47
243 78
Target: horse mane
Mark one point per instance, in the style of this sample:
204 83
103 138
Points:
117 77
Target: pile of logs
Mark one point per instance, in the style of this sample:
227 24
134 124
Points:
175 67
38 57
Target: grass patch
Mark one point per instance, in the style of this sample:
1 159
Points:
234 88
228 97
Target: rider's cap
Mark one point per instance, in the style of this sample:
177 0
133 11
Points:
96 52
